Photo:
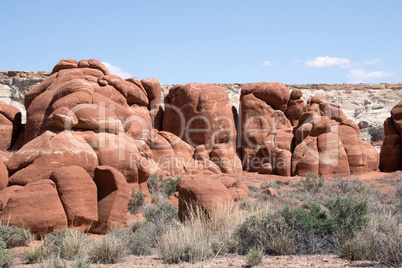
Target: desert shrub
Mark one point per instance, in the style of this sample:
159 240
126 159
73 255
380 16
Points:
268 232
110 248
153 181
137 200
36 254
312 183
66 243
53 262
14 236
159 184
201 236
168 185
355 250
348 185
380 241
349 215
314 221
160 213
254 256
81 262
139 243
6 258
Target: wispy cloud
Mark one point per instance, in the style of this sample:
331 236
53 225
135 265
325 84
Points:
360 76
297 61
117 70
267 63
372 62
327 61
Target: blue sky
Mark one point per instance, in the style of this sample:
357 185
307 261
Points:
293 42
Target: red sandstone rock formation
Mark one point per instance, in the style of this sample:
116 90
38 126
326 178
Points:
10 124
326 142
266 132
201 114
391 150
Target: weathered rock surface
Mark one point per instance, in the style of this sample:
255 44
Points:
10 124
326 142
3 176
113 198
37 207
201 114
391 150
266 131
78 194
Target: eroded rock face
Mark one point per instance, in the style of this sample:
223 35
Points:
10 125
391 150
201 114
266 131
3 176
113 198
326 142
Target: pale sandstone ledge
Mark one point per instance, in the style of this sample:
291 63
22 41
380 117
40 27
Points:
366 104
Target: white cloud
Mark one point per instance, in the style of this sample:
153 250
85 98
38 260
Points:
360 76
297 61
327 61
267 63
372 62
117 70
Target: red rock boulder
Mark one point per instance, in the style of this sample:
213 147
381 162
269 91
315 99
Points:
37 207
206 193
78 195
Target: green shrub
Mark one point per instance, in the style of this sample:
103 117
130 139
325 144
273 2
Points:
159 184
349 215
268 232
254 256
137 200
81 262
6 258
15 236
110 248
139 243
312 183
153 182
168 185
160 213
355 250
53 262
66 243
380 241
314 221
36 254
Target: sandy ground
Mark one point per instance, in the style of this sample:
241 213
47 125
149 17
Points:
324 261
